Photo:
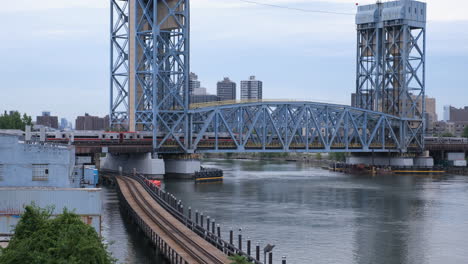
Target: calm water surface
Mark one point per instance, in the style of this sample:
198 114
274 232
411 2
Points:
316 216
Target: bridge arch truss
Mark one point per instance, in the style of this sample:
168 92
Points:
291 127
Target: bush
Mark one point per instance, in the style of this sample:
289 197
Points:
41 239
236 259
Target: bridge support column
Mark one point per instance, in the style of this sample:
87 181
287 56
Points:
385 159
181 166
380 160
143 163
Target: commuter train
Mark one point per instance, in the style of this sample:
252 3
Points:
98 137
79 137
446 140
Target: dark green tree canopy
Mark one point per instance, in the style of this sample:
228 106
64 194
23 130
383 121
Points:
65 239
448 134
465 132
14 120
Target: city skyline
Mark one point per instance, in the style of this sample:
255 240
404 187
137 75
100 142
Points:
318 52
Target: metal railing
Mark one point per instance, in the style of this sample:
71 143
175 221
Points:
196 222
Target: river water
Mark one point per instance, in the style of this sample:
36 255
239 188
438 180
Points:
315 216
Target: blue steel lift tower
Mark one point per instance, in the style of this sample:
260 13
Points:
391 64
150 60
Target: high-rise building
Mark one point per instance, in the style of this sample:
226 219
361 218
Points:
88 122
251 89
47 120
354 102
64 124
199 91
194 83
226 90
447 112
458 114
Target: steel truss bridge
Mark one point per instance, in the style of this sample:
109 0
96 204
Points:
150 50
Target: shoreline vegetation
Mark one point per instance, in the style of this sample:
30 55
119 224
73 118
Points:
40 237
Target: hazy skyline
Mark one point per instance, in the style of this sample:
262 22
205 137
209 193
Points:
55 54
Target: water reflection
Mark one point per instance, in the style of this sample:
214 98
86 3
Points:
316 216
328 217
125 242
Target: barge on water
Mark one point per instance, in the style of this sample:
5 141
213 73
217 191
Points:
346 168
206 175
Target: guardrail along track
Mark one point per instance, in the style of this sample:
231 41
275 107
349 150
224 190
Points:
178 243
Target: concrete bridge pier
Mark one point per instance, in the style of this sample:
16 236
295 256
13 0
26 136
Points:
127 163
391 159
181 166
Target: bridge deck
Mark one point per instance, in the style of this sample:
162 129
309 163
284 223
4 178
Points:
187 244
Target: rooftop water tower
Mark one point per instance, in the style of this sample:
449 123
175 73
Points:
150 66
391 49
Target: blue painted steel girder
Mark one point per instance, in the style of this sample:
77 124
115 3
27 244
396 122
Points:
292 127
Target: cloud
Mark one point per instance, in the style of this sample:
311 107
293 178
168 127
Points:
34 5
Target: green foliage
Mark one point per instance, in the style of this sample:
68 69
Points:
62 240
318 156
465 132
14 120
273 155
236 259
447 135
338 156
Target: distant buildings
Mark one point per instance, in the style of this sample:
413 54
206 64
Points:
354 100
431 113
251 89
64 124
447 127
88 122
194 83
199 94
226 90
47 120
206 98
456 114
446 113
454 123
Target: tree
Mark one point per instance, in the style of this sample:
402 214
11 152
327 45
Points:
447 135
465 132
14 120
39 238
236 259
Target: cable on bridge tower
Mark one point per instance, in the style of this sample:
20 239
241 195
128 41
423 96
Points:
297 9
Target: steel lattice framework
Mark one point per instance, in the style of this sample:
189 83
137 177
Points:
391 63
150 79
294 127
119 30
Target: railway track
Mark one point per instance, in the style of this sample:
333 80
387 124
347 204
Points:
197 249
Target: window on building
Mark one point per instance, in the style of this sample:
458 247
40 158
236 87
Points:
40 172
2 173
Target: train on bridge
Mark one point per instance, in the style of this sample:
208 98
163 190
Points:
208 141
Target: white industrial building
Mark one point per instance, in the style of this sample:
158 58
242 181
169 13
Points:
43 174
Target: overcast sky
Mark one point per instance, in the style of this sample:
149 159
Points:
55 53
